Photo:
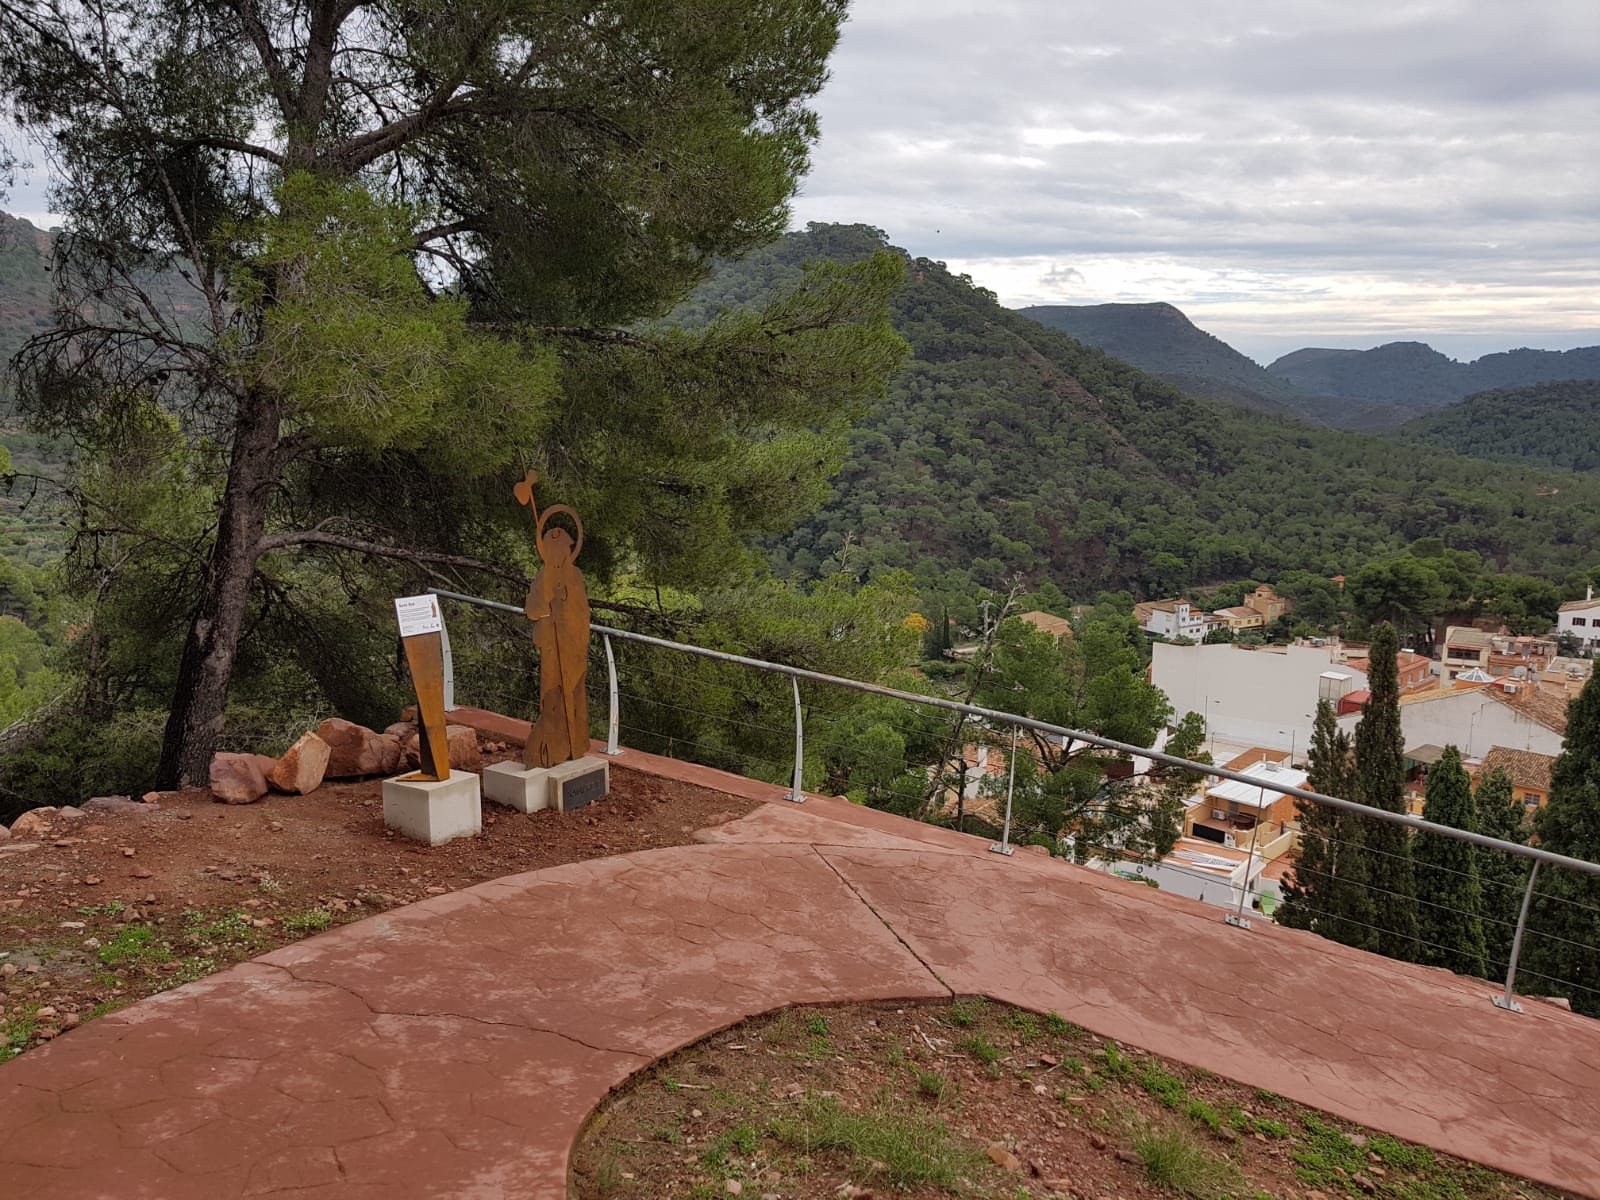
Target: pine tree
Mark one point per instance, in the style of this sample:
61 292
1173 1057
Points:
1567 903
1503 876
1326 892
1450 908
1380 769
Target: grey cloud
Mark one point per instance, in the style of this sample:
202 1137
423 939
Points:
1415 145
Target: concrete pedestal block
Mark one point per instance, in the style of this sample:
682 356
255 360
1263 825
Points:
579 782
562 787
516 786
434 810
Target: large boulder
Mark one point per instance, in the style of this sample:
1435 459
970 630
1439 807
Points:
302 767
5 835
34 825
463 743
355 751
240 778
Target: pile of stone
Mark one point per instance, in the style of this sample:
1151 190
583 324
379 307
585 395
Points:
40 825
336 749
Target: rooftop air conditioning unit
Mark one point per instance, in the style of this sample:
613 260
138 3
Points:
1218 814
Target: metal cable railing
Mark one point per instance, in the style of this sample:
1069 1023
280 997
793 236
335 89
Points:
1536 856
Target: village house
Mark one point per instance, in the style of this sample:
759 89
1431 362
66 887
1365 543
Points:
1581 619
1517 714
1173 619
1530 773
1236 619
1268 603
1416 671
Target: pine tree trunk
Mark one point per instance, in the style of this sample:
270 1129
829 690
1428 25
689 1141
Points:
201 696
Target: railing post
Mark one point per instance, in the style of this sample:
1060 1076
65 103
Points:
1003 846
796 792
449 663
1507 1002
612 714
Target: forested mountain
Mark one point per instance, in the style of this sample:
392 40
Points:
1005 447
1415 377
24 286
1160 339
1549 424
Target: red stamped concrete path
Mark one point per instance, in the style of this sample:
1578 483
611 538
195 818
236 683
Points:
453 1048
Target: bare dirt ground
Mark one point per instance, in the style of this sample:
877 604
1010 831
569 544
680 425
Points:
115 906
977 1099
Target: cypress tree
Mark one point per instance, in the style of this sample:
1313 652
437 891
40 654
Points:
1450 914
1326 891
1567 903
1503 876
1380 783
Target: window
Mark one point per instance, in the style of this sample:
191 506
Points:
1577 620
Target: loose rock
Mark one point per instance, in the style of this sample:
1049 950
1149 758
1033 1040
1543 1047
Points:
34 824
117 804
355 751
239 778
302 767
1003 1158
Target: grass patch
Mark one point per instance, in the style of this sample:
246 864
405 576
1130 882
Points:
817 1027
1201 1113
1165 1087
1173 1159
742 1139
230 929
1025 1023
1399 1156
1327 1158
15 1034
964 1013
134 945
981 1048
892 1147
931 1084
113 908
1114 1064
1058 1026
313 920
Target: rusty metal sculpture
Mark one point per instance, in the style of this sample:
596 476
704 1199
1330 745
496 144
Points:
558 606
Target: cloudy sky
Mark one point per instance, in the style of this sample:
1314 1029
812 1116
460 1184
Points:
1288 172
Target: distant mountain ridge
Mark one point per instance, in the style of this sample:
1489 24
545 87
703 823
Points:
1415 377
1160 339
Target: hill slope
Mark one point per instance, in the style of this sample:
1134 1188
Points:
1415 377
1550 424
1160 339
24 286
1004 447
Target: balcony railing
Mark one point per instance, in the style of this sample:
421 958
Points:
516 697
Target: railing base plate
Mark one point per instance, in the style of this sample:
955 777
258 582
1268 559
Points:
794 799
1237 920
1508 1005
997 848
617 753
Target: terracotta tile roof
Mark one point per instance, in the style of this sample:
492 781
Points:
1546 706
1579 605
1527 769
1236 613
1049 623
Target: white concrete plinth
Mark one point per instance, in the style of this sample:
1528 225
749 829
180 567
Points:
516 786
433 810
562 787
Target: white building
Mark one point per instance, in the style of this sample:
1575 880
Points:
1477 719
1175 619
1264 697
1580 618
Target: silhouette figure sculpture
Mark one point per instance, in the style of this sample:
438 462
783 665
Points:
558 606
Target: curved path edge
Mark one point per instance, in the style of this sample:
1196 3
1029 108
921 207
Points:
455 1047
